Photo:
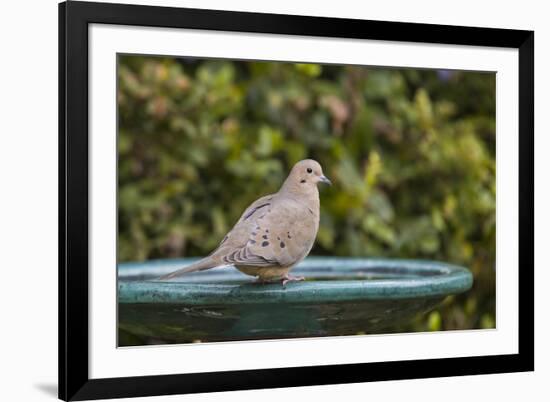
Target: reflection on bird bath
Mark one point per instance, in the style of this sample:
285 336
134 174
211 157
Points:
340 296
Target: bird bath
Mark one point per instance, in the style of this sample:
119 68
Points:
341 296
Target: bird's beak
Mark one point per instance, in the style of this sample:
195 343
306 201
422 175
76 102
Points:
324 179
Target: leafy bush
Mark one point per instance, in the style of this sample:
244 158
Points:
411 154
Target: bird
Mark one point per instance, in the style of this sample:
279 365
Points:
274 233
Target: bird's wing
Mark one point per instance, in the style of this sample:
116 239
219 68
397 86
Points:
234 249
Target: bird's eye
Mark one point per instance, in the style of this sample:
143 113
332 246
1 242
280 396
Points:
309 170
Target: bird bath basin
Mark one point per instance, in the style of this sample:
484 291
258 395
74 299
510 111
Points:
341 296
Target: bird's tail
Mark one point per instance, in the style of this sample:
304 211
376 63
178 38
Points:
201 265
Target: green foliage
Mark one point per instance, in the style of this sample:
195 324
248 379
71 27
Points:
411 154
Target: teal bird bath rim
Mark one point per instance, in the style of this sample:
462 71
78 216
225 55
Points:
340 296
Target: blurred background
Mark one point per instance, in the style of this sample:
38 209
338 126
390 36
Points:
410 152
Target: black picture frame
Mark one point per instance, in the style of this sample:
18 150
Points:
74 18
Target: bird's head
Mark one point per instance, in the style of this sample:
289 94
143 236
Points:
304 176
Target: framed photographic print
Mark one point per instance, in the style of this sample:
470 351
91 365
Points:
258 200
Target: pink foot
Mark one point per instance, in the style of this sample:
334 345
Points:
289 278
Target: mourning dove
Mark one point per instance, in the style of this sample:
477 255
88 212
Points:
274 233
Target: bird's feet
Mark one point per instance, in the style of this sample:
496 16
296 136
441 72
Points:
290 278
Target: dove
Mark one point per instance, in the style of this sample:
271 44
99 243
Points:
274 233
